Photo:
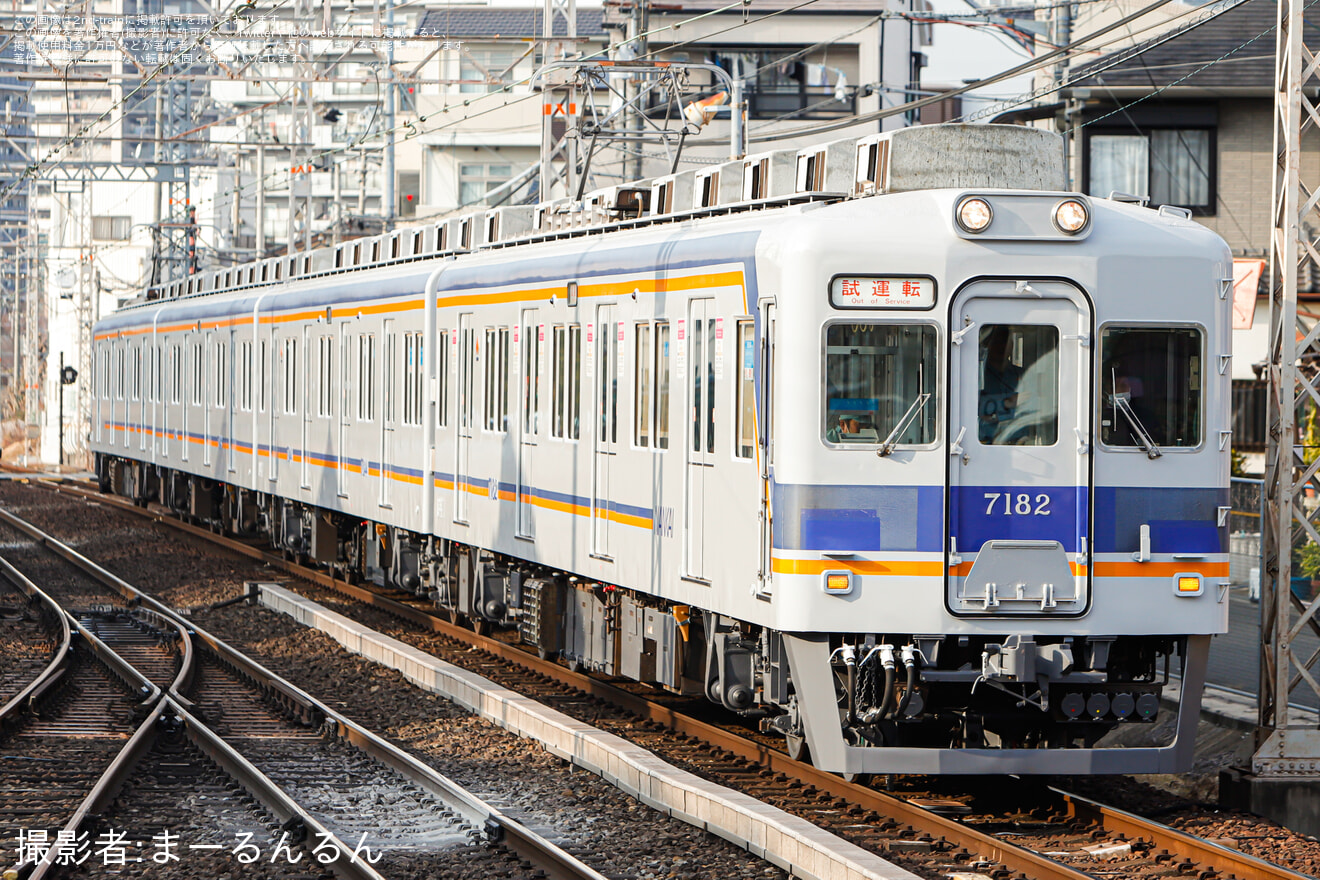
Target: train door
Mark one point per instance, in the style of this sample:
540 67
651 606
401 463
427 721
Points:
387 415
701 442
1019 495
607 426
467 342
767 444
529 425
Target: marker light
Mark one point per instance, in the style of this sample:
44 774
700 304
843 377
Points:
974 214
1187 583
838 582
1071 216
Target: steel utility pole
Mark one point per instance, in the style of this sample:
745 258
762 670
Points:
559 38
1287 744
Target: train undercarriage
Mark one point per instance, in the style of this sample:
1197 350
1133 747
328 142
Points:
904 690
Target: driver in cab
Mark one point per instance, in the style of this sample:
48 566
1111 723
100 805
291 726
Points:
999 383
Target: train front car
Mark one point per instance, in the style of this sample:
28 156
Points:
1000 467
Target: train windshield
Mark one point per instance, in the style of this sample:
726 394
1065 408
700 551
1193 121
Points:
1150 381
874 374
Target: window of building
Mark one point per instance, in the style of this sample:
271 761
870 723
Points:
873 375
486 69
111 228
1170 166
409 191
781 80
475 179
1150 384
745 364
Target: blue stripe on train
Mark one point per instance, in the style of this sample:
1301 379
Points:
911 518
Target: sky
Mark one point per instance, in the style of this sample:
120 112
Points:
958 53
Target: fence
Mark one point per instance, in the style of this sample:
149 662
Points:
1247 498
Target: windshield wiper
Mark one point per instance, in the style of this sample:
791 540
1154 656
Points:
1122 401
912 412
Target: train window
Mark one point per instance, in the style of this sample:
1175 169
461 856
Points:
412 378
744 360
137 373
532 375
366 377
704 332
290 375
1150 384
1018 404
662 385
220 374
642 387
245 377
442 378
566 365
874 373
197 376
176 374
325 360
497 379
259 373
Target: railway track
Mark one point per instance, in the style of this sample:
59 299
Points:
1021 829
278 764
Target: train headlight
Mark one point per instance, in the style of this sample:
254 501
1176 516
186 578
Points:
974 215
1071 216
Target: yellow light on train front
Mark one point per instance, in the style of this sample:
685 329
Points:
974 215
1189 584
838 582
1071 216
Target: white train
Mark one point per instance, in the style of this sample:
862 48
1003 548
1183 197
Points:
888 443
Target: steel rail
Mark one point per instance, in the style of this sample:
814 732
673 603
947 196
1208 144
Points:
124 671
130 594
1012 857
163 706
59 661
1207 853
527 844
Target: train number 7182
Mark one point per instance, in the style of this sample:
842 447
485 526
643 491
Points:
1021 504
